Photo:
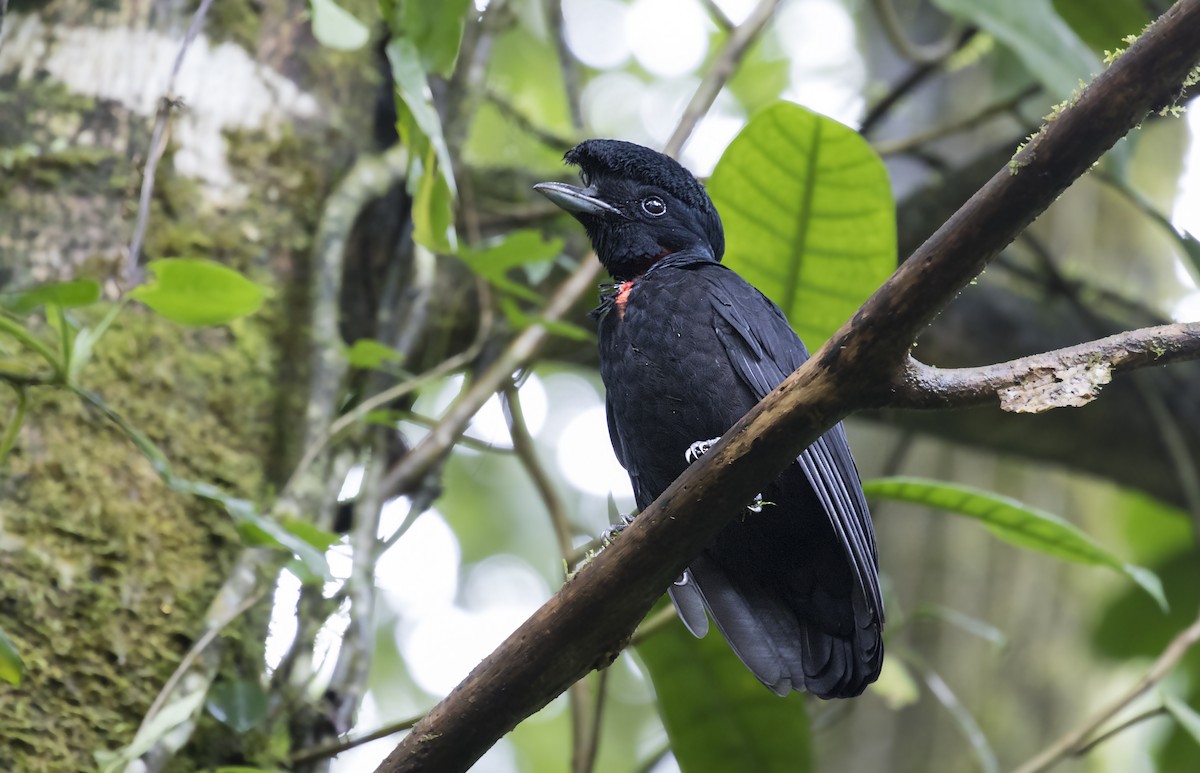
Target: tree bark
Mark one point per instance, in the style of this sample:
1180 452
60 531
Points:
106 575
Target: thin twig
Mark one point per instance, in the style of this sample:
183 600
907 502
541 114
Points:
722 68
526 451
417 462
1073 741
578 695
586 749
904 144
337 746
653 624
907 85
546 137
158 145
566 63
196 650
1137 719
928 53
339 425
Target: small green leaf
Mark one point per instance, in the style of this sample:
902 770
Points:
67 295
1049 49
12 668
258 529
198 292
433 212
519 319
319 538
1013 522
520 248
718 717
1184 714
808 213
241 705
369 354
337 28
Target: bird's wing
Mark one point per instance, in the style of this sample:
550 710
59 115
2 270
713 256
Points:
763 355
614 434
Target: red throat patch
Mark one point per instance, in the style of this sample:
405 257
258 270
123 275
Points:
623 296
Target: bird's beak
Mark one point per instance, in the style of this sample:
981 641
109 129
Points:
577 201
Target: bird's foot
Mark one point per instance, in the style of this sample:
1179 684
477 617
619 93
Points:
610 534
699 449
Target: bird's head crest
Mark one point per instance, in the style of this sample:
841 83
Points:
619 177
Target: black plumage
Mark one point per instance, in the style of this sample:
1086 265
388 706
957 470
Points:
686 348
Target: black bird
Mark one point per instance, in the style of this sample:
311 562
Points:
687 347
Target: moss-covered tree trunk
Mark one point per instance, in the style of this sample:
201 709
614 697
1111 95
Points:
105 573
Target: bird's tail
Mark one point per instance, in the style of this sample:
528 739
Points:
829 647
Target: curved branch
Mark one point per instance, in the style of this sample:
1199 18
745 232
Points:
927 53
1075 741
586 623
1064 377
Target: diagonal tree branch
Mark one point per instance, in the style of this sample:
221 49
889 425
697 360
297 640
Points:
587 622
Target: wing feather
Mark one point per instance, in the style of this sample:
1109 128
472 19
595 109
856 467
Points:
764 356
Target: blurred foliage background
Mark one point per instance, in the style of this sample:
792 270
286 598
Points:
247 541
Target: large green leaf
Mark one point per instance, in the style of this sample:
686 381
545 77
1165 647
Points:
1013 522
808 215
198 292
718 717
1103 24
1046 45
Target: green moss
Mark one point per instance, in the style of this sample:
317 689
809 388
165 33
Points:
236 21
105 575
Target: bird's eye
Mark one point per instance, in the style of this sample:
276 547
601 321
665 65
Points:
586 179
654 207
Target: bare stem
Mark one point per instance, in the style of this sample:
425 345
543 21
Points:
158 145
1074 742
740 40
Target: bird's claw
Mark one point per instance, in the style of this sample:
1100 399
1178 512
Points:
610 534
699 449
